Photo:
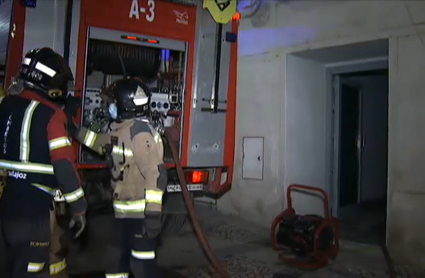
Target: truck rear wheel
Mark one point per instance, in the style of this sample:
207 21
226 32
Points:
173 223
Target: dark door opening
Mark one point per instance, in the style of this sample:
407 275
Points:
350 129
362 155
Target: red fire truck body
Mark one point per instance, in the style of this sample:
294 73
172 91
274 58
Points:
193 58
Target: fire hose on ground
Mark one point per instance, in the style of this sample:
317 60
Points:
191 209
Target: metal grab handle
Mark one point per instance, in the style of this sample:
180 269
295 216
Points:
360 142
308 188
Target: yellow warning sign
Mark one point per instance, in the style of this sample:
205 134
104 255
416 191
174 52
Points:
221 10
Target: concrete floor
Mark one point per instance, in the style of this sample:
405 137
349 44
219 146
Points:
364 223
243 248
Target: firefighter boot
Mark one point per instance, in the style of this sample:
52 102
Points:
57 263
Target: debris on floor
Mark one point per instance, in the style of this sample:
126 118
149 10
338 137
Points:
244 249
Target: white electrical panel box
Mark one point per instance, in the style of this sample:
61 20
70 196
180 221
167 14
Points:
253 158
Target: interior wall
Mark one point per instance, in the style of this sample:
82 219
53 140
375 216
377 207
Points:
375 129
306 130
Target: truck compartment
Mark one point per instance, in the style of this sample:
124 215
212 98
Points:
105 57
134 56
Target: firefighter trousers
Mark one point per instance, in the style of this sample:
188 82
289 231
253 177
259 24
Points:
57 263
132 255
29 245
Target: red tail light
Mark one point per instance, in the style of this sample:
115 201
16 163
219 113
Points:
152 41
197 177
133 38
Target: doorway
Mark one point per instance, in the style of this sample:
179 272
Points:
361 154
350 129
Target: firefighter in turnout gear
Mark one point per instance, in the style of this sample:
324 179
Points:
37 155
138 176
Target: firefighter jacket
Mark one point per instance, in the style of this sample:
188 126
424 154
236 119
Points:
137 153
36 152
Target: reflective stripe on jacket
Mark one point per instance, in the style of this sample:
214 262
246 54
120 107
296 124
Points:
34 136
137 152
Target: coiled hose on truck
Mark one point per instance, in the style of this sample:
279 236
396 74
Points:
190 208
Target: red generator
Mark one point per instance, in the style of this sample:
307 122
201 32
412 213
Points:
306 241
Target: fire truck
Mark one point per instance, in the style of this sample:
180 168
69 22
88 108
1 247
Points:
188 58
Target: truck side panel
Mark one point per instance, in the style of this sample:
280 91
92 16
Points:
16 42
45 26
73 43
207 129
37 27
5 18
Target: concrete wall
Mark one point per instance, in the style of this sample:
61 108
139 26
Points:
305 123
406 154
262 110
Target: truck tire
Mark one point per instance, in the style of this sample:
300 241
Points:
173 223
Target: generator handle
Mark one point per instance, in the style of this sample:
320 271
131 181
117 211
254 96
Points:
308 188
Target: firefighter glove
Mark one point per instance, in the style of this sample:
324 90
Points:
71 106
77 224
153 225
72 128
70 109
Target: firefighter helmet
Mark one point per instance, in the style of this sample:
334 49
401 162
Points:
45 71
127 98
